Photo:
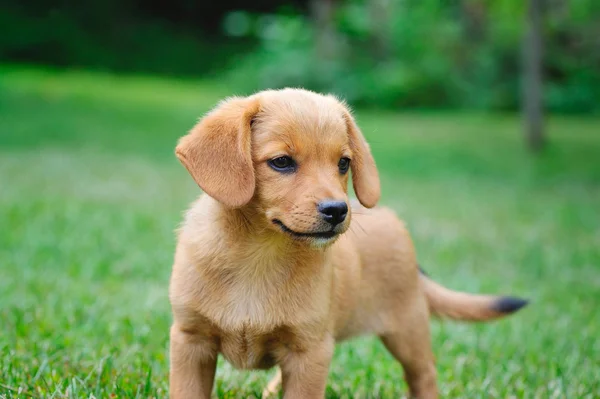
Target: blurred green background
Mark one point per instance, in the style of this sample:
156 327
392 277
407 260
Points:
93 97
377 53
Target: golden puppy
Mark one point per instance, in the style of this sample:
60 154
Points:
266 272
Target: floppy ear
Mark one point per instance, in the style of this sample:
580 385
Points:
365 177
217 153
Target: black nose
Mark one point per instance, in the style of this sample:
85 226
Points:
333 212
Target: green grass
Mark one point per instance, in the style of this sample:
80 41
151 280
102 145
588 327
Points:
90 195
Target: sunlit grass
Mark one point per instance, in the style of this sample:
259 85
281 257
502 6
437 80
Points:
91 194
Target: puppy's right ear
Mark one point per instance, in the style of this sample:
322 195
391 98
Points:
217 152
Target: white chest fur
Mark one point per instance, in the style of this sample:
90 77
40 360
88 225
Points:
255 316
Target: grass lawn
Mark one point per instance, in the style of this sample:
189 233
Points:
91 192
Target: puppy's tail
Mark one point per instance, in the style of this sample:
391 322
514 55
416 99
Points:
445 303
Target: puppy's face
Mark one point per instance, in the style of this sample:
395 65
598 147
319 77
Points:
285 156
302 156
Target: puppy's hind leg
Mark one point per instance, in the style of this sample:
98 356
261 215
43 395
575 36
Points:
409 342
273 386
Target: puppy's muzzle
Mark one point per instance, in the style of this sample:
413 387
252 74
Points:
333 212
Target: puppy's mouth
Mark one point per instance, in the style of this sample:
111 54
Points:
296 234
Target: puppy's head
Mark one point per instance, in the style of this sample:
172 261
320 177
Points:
285 156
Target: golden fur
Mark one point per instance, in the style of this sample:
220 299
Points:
245 286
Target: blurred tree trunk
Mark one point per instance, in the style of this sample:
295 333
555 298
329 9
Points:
532 76
379 13
322 12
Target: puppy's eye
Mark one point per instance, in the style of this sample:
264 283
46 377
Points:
344 164
282 164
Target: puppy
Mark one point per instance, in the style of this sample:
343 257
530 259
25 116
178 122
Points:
269 270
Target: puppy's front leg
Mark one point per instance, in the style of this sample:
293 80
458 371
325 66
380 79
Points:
193 365
304 373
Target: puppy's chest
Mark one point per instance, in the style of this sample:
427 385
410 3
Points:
258 321
242 306
264 302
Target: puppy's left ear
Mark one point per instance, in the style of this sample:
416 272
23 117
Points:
365 177
217 153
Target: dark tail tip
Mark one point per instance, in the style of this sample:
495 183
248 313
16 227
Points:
509 304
